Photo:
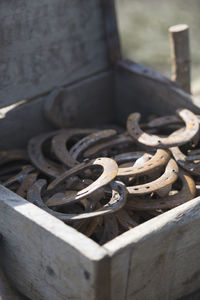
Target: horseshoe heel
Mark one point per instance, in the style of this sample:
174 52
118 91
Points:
20 176
129 156
170 175
190 131
181 159
97 149
117 201
59 143
187 192
164 121
110 169
35 153
26 184
159 160
89 141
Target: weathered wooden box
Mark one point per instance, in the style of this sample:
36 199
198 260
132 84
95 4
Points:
74 45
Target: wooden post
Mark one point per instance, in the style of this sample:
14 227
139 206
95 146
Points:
180 55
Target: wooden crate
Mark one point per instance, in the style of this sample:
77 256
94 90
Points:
65 55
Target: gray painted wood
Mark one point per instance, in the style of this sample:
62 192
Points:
7 292
45 44
139 88
47 259
87 103
163 255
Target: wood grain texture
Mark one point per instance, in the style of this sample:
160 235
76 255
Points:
47 259
139 88
45 44
163 255
180 55
87 103
7 292
111 30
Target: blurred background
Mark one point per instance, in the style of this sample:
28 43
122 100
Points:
144 24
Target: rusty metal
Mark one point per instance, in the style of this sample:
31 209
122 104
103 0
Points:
129 156
187 192
92 226
125 220
111 229
117 201
121 139
190 131
164 121
36 155
110 170
19 178
90 141
159 160
60 141
26 184
191 167
169 176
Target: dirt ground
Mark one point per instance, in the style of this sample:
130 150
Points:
144 32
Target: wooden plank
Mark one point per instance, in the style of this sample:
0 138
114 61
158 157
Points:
7 292
180 56
111 29
87 103
22 121
45 44
139 88
47 259
18 123
163 255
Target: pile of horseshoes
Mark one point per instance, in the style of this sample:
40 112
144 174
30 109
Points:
104 182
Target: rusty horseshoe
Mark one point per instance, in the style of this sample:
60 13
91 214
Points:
169 176
191 130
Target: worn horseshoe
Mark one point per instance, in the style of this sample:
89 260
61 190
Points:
164 121
159 160
110 169
181 159
90 140
92 226
20 176
118 140
129 156
59 143
187 192
26 184
169 176
45 165
191 129
117 201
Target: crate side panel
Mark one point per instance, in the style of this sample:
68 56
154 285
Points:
7 292
139 88
88 103
163 255
44 44
44 258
